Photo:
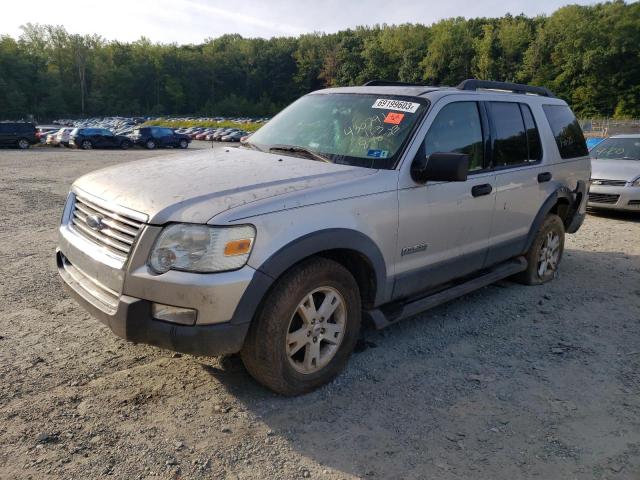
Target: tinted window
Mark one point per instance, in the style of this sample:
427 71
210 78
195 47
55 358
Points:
25 127
566 131
457 128
510 144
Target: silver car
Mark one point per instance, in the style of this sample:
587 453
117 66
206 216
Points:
615 180
374 202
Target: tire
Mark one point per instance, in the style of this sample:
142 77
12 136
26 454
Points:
86 145
271 353
125 145
150 144
183 144
545 254
23 144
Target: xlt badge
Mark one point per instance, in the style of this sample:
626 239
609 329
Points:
421 247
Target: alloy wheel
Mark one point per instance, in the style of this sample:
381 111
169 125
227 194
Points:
316 330
549 254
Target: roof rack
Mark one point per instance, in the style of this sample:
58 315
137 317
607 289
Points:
473 84
390 83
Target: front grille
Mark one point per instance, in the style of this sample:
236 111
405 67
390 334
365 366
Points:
609 183
117 232
634 203
603 198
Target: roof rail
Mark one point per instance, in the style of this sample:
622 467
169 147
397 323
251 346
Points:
473 84
390 83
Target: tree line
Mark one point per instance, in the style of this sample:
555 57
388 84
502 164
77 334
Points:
588 55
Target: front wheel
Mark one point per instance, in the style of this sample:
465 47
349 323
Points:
307 329
125 145
183 143
87 145
543 258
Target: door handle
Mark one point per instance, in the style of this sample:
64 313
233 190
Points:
544 177
479 190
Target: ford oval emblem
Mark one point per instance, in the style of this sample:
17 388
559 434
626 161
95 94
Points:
94 222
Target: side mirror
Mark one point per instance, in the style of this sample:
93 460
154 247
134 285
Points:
443 167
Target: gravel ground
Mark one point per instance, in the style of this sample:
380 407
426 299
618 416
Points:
508 382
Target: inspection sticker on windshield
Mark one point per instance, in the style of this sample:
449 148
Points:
378 153
391 104
394 118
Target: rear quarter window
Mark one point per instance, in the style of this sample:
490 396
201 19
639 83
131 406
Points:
566 131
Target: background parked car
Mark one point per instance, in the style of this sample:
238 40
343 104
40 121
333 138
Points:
17 134
615 173
61 137
154 137
43 132
88 138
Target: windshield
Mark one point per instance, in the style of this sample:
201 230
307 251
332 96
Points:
618 149
351 129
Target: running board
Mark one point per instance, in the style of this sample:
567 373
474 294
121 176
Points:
394 312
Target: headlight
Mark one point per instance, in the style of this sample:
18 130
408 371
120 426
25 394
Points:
636 182
202 248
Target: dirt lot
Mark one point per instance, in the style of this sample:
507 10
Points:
509 382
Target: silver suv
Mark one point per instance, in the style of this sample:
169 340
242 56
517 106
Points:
373 202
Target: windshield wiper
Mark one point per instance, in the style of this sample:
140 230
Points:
296 149
253 146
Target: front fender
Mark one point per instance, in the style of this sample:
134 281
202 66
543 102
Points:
304 247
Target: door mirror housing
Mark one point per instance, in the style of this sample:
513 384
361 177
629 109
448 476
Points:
440 167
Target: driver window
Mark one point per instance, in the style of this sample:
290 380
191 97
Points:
457 129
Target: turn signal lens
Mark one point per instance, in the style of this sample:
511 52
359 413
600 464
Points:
238 247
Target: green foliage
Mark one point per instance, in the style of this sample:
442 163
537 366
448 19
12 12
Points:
164 122
589 55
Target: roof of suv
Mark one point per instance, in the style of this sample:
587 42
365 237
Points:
471 87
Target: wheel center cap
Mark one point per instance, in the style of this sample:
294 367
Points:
316 329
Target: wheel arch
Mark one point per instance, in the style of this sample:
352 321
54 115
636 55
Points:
352 249
559 202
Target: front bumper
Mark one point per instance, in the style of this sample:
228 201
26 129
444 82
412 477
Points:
132 320
614 198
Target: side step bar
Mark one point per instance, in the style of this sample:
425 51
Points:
394 312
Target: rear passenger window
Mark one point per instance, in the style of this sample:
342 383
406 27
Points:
510 144
566 131
457 129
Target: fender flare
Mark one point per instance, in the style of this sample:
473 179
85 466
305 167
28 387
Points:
304 247
549 203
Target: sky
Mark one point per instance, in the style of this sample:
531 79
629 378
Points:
192 21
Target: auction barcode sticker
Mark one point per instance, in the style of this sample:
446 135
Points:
399 105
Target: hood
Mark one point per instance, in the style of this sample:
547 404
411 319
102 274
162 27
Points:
615 169
195 186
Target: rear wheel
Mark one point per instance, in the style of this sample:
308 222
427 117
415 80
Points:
545 254
87 145
23 144
307 329
150 144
